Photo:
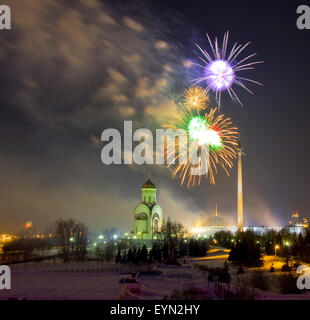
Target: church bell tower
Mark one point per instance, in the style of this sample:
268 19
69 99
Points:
148 215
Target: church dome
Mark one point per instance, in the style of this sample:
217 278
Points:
149 184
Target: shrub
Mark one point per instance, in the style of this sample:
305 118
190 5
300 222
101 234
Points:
240 270
286 268
188 294
243 290
287 283
222 275
259 280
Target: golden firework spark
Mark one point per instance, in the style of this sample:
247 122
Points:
196 97
211 140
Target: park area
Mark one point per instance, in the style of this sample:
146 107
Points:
192 278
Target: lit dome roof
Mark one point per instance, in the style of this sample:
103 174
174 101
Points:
149 184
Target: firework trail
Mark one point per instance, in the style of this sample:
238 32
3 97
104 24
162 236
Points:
208 133
221 68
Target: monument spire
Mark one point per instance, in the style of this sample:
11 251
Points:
240 189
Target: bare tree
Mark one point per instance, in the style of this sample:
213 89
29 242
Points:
72 237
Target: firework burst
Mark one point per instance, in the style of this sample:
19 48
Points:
210 138
196 97
221 68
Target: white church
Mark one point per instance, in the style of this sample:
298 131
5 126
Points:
148 215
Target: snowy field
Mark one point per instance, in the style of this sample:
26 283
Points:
90 283
64 285
95 280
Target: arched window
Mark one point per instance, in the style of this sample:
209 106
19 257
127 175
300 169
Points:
155 225
141 216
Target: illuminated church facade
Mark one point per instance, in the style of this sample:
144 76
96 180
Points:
148 215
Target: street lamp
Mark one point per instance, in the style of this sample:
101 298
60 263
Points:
276 247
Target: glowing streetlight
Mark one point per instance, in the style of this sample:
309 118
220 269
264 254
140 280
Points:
276 247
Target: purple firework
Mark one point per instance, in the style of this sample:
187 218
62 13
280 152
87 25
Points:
220 72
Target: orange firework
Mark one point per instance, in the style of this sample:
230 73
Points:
211 142
196 98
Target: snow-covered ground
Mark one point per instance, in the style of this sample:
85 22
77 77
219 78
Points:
63 285
95 280
91 284
77 285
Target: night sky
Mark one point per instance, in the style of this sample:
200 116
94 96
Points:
70 69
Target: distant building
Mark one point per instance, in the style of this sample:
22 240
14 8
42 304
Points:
297 221
215 224
207 231
264 229
148 215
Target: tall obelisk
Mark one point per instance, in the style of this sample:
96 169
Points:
240 191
